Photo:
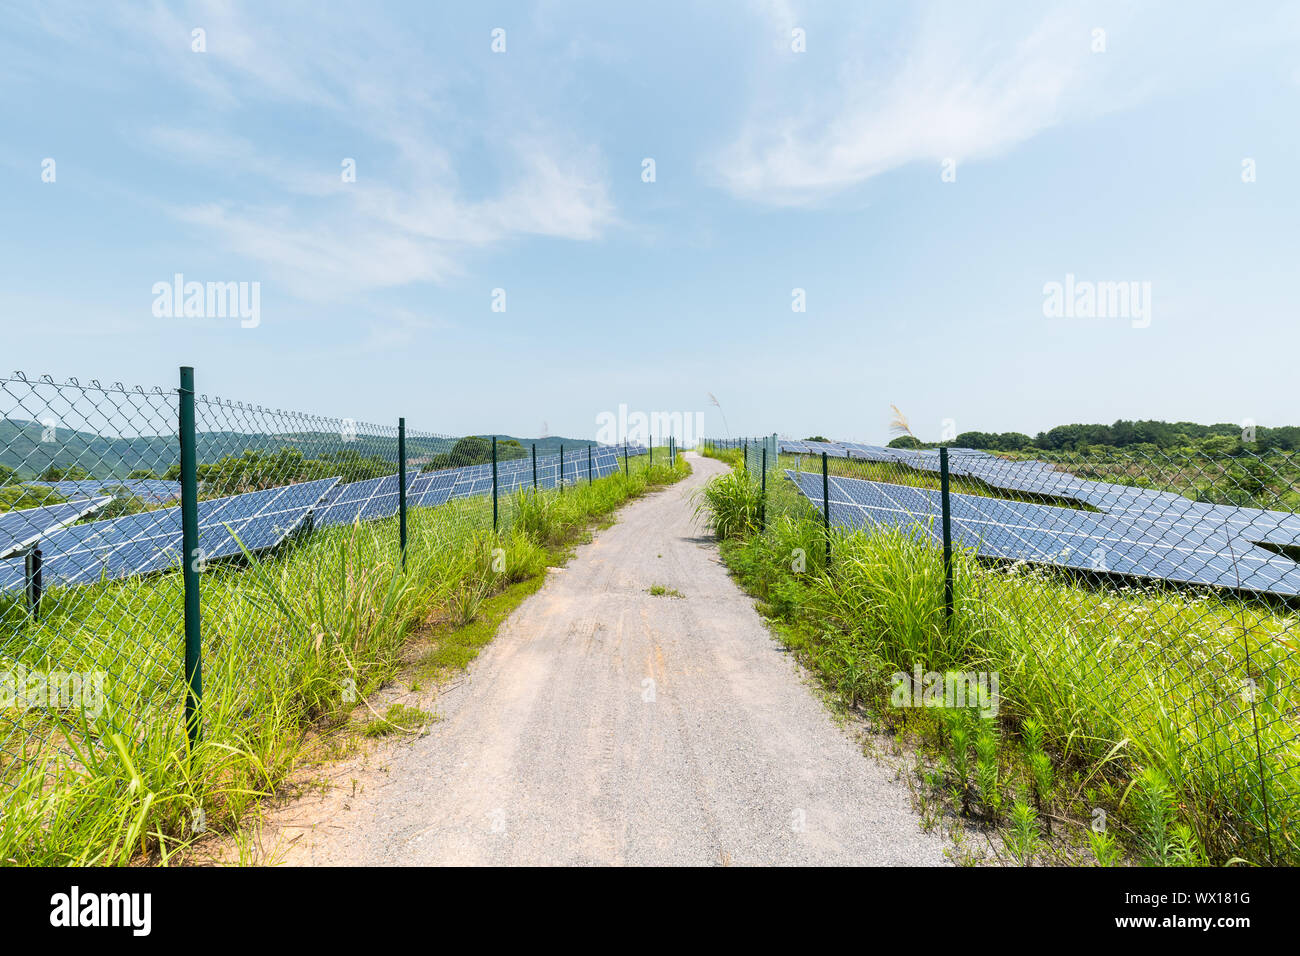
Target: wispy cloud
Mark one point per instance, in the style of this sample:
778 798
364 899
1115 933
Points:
326 240
433 183
961 87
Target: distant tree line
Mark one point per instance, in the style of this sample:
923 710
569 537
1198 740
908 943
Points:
1146 435
475 450
257 470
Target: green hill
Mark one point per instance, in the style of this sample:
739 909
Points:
24 456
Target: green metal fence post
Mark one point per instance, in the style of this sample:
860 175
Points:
494 483
947 535
762 505
626 469
589 478
652 450
534 464
193 558
826 507
560 482
401 487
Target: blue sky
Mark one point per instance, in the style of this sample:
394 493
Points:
775 170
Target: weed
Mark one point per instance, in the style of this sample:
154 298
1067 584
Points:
1024 841
398 719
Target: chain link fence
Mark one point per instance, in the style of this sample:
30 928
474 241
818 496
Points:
169 560
757 453
1143 604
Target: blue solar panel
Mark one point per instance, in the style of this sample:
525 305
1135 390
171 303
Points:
21 529
13 576
260 520
431 489
367 500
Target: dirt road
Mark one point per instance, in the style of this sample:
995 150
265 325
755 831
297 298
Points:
605 725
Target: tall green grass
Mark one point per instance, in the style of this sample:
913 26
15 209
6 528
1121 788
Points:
730 504
732 456
293 641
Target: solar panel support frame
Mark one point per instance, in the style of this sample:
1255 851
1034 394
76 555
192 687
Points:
32 565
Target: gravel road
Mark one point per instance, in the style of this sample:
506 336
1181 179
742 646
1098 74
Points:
605 725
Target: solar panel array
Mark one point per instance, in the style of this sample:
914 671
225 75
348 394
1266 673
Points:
152 491
150 541
367 500
132 545
1139 532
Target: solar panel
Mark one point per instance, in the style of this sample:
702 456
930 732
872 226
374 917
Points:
260 520
430 489
367 500
13 576
21 529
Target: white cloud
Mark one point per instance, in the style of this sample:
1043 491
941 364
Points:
959 86
433 183
899 84
322 260
328 242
